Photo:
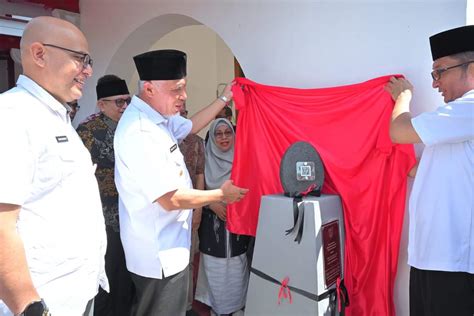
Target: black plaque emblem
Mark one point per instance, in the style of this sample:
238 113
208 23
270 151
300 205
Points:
301 169
331 252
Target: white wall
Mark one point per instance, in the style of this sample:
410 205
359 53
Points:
297 43
470 12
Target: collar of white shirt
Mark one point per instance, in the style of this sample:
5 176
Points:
468 95
153 115
41 94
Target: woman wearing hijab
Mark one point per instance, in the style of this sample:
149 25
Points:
223 271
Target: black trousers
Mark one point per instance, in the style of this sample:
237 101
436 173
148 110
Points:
440 293
167 296
122 291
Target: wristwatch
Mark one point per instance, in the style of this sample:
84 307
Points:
36 308
224 98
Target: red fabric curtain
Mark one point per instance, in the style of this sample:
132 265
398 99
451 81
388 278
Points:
348 126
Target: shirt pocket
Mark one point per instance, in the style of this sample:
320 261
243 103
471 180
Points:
56 163
67 159
177 160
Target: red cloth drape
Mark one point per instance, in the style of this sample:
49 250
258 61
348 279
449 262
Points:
348 126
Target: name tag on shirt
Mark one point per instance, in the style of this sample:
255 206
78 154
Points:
172 148
61 139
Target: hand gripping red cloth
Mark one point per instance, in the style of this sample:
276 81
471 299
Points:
349 127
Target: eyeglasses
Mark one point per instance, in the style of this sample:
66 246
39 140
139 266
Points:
220 135
85 58
436 74
120 102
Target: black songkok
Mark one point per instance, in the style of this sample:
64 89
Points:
450 42
167 64
111 88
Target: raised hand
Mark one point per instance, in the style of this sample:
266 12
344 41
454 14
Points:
396 86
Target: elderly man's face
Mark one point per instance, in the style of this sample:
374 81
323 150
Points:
169 96
454 82
65 70
114 106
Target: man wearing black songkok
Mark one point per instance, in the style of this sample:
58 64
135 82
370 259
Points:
156 195
441 233
97 133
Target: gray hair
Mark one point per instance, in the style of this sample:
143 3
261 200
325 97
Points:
464 56
141 83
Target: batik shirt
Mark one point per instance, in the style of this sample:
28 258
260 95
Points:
98 136
192 148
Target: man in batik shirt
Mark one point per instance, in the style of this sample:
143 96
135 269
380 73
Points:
97 133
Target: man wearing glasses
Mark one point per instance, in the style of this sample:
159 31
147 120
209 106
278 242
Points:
52 232
98 136
441 233
156 196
